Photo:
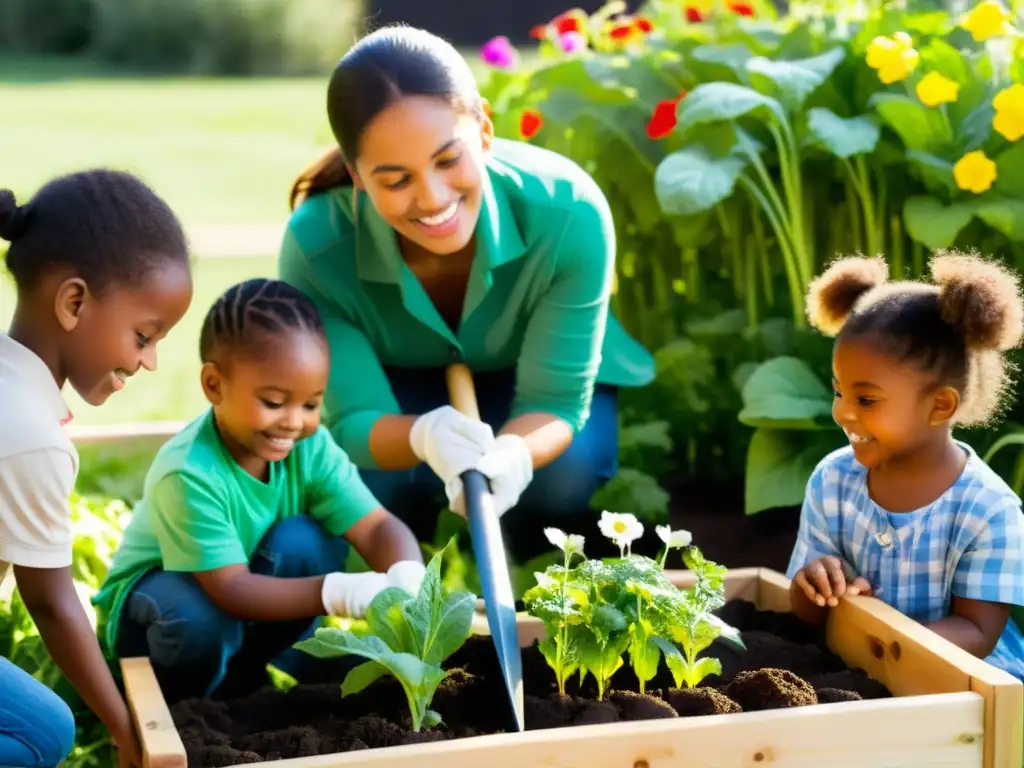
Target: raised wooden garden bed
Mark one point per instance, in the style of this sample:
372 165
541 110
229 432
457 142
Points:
947 708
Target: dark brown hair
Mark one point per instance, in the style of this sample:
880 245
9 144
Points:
957 327
386 65
108 226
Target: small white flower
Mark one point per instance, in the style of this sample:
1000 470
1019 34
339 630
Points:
674 539
570 544
622 529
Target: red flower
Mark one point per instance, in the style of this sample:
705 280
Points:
569 21
644 24
742 9
693 14
530 122
621 30
573 20
663 121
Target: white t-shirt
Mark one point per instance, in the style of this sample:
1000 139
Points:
38 463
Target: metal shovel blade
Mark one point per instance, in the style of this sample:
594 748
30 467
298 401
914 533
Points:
489 550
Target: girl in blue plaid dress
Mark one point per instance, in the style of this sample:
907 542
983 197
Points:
906 512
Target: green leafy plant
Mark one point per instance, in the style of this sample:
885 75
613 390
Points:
410 637
741 147
596 611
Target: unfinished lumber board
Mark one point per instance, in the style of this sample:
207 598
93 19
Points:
919 732
161 745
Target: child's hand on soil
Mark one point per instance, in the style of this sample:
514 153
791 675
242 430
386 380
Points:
824 582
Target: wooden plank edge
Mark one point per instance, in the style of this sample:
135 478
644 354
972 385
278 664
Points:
893 648
880 733
159 739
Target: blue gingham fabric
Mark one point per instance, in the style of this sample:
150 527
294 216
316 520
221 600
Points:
969 542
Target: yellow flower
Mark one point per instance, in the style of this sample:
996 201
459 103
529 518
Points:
1009 107
893 57
974 172
987 19
934 89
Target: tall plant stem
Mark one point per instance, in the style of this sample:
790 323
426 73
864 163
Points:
796 288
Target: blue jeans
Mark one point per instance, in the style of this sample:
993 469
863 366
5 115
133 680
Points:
37 729
559 494
198 650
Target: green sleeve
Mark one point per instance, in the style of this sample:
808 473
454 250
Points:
561 352
192 526
358 392
335 493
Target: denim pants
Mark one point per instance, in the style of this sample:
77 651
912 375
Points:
198 650
37 729
559 494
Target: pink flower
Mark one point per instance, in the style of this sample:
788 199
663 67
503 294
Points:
571 42
498 52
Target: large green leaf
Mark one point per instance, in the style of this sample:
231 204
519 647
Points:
976 127
933 224
637 491
779 463
361 677
917 126
733 55
694 179
793 80
784 393
388 621
1010 170
1003 214
935 171
419 680
439 622
939 56
843 136
721 102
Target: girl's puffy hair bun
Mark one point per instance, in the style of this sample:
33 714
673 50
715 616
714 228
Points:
981 298
834 293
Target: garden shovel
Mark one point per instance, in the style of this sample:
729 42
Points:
489 549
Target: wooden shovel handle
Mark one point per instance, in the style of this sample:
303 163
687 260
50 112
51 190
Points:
461 390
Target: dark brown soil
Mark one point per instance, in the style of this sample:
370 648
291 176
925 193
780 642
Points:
785 665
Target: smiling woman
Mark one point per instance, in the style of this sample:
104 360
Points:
424 240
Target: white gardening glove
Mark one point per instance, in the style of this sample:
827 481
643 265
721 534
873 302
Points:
450 443
407 575
350 594
509 467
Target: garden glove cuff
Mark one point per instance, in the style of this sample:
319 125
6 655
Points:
350 594
509 468
407 575
449 442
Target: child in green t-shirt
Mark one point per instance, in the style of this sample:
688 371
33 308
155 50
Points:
238 544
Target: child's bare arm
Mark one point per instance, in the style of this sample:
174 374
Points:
255 597
973 625
382 540
50 597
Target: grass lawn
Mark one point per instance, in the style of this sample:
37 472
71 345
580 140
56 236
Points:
221 150
172 391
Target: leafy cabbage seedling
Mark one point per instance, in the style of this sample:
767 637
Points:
410 638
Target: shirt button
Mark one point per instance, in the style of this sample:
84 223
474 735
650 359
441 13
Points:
884 539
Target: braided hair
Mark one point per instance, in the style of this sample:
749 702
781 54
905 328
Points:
248 311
